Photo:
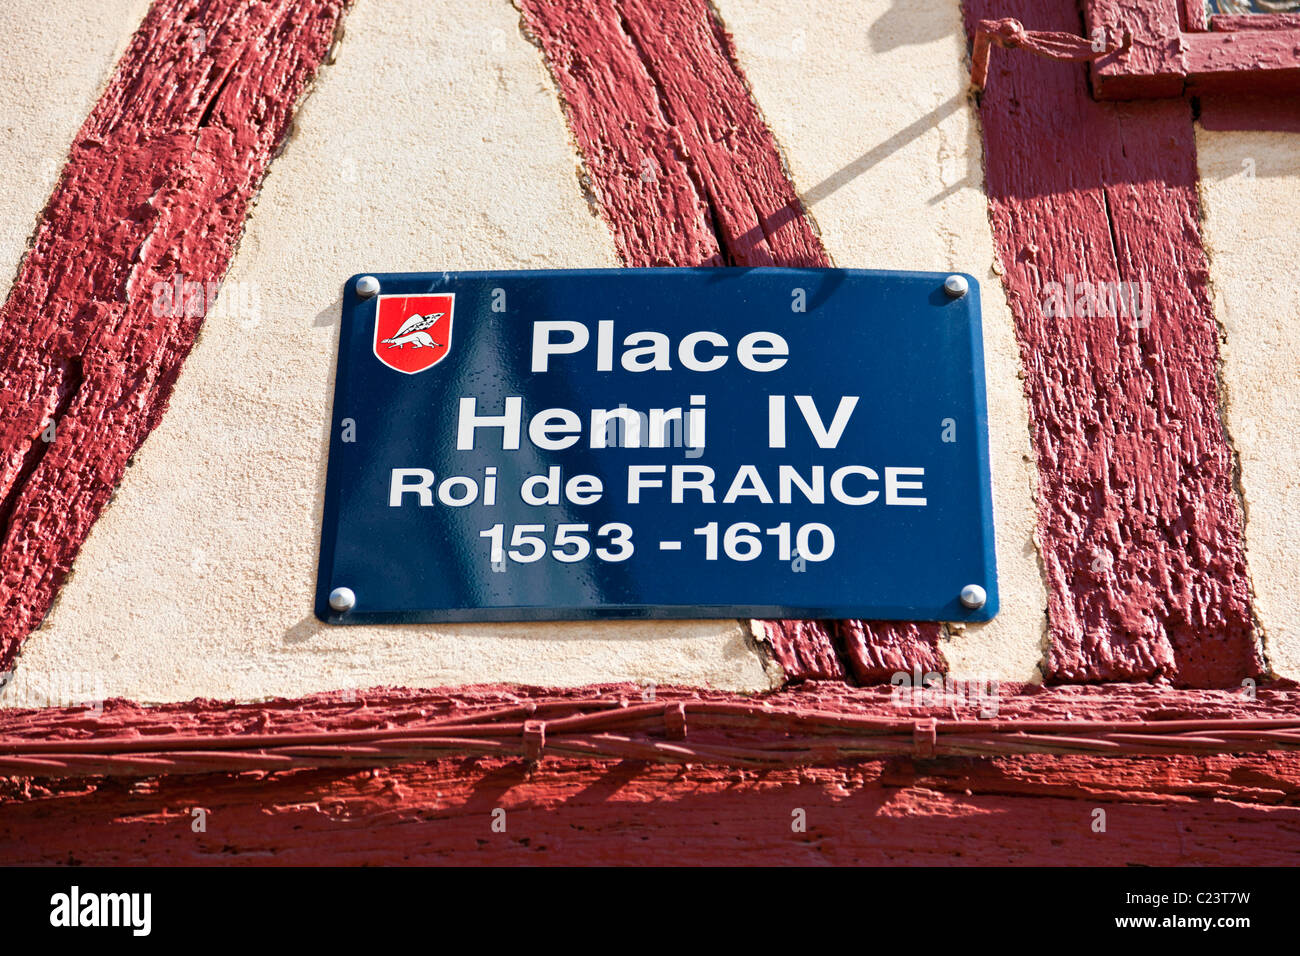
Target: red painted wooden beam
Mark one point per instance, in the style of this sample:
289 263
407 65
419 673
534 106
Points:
1247 61
1151 64
387 708
817 726
1194 16
1280 114
490 812
1171 53
1229 23
687 174
156 188
1029 809
1139 521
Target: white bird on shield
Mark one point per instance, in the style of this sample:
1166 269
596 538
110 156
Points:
412 332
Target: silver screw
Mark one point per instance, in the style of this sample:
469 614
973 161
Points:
343 599
956 286
367 286
972 595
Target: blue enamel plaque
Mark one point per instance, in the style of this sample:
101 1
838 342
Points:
640 443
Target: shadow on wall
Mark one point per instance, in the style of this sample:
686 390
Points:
851 171
1247 155
903 25
846 174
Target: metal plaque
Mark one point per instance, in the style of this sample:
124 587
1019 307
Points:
676 443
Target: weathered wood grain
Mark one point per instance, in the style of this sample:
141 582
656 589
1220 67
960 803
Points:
1140 525
1171 52
1029 809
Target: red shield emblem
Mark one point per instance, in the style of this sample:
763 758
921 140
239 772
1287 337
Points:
413 332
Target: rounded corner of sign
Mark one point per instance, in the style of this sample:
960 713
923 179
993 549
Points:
972 297
326 614
988 612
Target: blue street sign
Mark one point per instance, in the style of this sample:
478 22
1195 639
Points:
676 443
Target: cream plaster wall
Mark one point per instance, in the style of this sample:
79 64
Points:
868 100
1250 194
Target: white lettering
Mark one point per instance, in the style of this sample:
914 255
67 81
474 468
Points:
554 421
686 352
893 485
398 486
508 423
756 344
544 347
826 438
636 480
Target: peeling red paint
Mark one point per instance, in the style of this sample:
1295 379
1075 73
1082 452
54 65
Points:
1230 23
1172 53
157 186
804 649
923 716
387 707
1139 523
687 174
1249 61
1028 809
1151 65
631 149
730 152
685 170
627 813
880 649
1193 14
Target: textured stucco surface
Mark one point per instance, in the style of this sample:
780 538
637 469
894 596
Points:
868 101
52 71
435 141
1250 193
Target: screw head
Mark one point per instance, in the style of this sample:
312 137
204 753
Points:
343 599
973 596
956 286
367 286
